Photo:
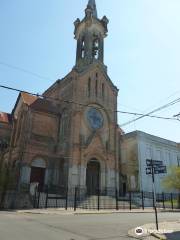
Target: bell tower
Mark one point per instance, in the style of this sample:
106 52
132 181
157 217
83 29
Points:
90 34
88 129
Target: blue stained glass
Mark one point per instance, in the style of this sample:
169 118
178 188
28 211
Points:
95 118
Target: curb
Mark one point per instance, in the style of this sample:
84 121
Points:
78 213
85 212
158 236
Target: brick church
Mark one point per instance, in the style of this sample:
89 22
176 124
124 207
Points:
70 137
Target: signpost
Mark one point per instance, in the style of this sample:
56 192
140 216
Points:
160 170
155 167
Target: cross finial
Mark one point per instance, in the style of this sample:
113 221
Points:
92 5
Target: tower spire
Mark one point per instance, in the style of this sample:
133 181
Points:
92 5
90 34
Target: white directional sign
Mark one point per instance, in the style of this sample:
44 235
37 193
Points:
150 162
158 167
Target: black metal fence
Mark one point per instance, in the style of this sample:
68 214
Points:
79 198
109 198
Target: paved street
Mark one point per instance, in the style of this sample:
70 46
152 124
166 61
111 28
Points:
20 226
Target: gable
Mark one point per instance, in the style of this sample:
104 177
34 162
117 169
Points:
23 98
96 67
95 144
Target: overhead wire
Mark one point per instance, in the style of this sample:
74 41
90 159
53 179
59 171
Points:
153 111
24 70
141 115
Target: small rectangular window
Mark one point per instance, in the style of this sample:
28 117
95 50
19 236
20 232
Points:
103 90
89 87
96 88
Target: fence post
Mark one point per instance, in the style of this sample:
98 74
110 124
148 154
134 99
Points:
130 199
172 204
46 198
75 199
142 196
153 200
117 203
34 205
163 200
66 207
98 206
56 197
38 199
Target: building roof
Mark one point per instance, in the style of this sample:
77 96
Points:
36 103
137 133
28 98
5 117
44 105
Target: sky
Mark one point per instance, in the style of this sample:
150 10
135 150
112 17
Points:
142 52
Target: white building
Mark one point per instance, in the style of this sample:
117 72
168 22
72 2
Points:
178 154
136 149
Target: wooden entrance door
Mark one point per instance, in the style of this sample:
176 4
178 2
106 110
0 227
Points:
38 175
93 177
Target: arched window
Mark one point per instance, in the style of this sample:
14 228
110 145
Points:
96 85
103 90
83 49
64 125
89 87
38 162
96 48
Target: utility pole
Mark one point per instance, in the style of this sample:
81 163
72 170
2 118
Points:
154 193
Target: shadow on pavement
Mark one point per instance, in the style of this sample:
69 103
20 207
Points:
173 236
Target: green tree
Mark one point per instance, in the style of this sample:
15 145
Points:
172 181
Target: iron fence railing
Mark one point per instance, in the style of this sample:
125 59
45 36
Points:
108 198
78 198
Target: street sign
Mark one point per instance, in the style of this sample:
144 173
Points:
149 162
148 170
160 170
157 170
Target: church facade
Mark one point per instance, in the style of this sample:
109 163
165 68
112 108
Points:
70 137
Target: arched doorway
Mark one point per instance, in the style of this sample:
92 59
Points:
93 177
38 169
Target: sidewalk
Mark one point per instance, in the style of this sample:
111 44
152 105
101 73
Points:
62 211
167 230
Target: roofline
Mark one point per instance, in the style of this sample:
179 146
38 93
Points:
89 67
9 118
141 133
56 82
17 101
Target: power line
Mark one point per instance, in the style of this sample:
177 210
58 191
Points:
141 115
24 70
152 116
177 115
153 111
